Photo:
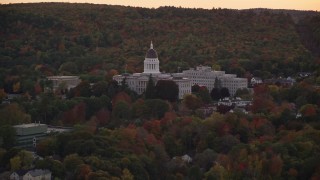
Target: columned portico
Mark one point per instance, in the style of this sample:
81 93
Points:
151 62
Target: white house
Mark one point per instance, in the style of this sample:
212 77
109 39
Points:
37 174
255 80
17 175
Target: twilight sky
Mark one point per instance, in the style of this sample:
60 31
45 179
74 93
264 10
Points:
207 4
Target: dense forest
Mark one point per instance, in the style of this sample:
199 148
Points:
66 38
118 134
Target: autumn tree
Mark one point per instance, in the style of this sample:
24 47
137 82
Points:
309 112
15 163
217 83
3 94
13 114
191 101
126 175
83 171
71 162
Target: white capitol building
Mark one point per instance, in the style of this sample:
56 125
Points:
202 75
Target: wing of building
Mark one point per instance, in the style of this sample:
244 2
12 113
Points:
202 75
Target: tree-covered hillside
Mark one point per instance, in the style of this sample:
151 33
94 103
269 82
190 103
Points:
118 134
79 38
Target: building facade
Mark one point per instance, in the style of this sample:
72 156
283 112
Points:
35 174
205 76
138 81
29 134
202 75
64 82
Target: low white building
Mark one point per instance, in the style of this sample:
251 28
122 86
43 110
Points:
255 80
64 82
202 75
35 174
205 76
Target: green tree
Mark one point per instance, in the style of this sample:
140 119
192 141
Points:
217 83
100 88
7 136
26 158
124 85
155 108
121 113
167 90
71 162
69 68
195 172
150 90
83 89
215 94
224 92
242 93
113 88
195 88
204 95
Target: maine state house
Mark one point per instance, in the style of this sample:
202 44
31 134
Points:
201 75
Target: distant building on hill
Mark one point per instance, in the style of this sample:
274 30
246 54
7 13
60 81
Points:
64 82
202 75
205 76
255 80
285 82
29 134
138 81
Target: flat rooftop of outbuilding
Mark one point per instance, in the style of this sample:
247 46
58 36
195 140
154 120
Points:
29 125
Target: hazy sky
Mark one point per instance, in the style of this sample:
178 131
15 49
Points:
207 4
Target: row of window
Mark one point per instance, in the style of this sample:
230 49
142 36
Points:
152 66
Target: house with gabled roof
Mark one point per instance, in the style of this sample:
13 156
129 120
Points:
38 174
35 174
17 175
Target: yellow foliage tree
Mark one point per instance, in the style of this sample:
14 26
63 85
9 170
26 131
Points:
15 163
126 175
16 87
2 94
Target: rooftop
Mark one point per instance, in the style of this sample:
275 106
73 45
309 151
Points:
29 125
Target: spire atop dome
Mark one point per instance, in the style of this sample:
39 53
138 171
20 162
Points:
151 53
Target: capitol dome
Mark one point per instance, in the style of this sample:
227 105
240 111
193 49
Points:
151 62
151 53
